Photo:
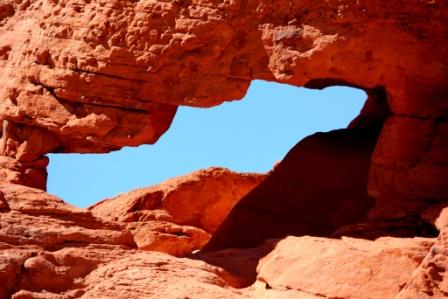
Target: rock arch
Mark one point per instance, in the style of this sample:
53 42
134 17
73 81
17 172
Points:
94 76
89 77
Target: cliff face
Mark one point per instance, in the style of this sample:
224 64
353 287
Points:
49 249
94 76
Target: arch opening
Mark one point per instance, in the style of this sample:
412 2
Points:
319 188
250 135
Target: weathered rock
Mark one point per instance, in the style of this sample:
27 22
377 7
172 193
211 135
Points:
133 54
46 244
430 279
94 76
201 199
86 77
31 174
49 249
178 215
97 77
155 275
288 201
342 268
11 261
64 269
37 218
167 237
409 170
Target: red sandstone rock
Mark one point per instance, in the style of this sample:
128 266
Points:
342 268
201 199
288 201
168 237
197 203
32 174
430 279
409 170
46 244
97 77
94 76
154 275
133 54
49 249
85 77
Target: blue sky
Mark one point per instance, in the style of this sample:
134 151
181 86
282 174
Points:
247 135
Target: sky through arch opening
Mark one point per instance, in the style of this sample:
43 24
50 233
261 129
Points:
250 135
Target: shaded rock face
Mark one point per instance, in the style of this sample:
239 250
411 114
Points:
288 202
95 76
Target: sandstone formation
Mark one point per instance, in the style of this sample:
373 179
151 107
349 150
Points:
201 199
366 205
50 249
310 263
96 77
288 202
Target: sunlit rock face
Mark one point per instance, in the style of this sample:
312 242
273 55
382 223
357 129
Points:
80 76
49 248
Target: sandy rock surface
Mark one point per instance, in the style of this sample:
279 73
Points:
366 205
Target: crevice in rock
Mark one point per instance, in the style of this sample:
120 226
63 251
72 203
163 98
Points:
322 83
4 206
52 91
405 227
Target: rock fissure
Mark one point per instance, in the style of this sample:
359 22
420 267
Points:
51 90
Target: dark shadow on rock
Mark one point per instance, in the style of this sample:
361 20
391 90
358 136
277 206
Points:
240 265
319 186
408 226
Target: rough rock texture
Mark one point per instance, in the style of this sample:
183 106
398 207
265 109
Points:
51 250
431 277
94 76
47 245
201 199
288 202
309 263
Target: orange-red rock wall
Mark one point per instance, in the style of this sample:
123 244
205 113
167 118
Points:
95 76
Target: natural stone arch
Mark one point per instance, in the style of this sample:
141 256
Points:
116 77
76 74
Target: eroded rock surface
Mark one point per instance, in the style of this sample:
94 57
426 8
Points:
94 76
288 202
201 199
336 268
49 249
